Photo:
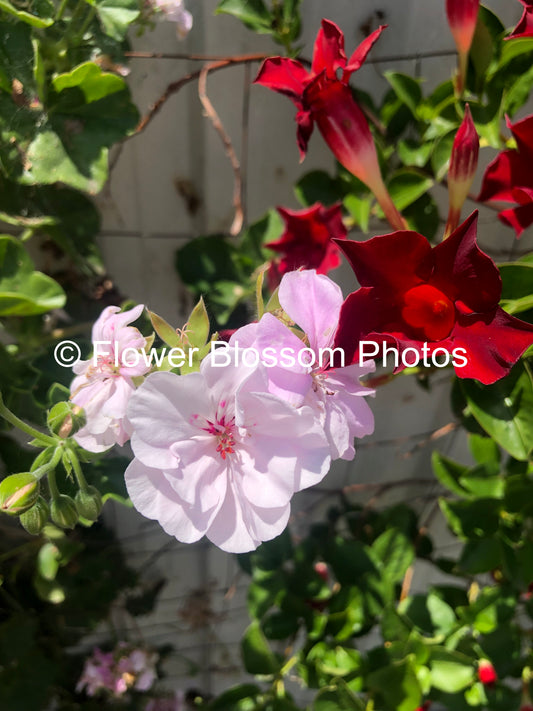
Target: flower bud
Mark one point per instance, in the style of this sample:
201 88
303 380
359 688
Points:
35 519
89 503
462 18
486 673
65 419
18 493
463 166
64 512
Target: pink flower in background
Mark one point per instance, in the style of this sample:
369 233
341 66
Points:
118 671
509 178
104 384
321 96
174 11
217 455
306 241
525 26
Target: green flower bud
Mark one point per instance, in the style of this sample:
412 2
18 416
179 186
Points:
18 493
65 419
89 503
35 519
64 512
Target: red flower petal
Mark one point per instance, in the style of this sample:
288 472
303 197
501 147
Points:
305 124
523 133
505 172
525 26
394 262
328 54
464 272
519 218
286 76
358 58
462 18
493 342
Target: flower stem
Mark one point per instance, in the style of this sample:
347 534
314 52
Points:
80 478
45 468
54 491
28 429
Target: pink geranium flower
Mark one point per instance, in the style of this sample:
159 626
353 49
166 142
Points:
217 455
334 394
446 296
307 241
104 383
323 98
509 178
525 26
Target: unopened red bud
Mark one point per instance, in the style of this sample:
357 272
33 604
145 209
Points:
486 673
463 166
18 493
322 569
462 18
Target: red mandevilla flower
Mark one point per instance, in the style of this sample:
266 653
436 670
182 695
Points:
509 178
462 18
307 241
486 673
525 26
463 166
321 97
446 296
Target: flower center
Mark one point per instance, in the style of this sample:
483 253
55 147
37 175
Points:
429 310
223 431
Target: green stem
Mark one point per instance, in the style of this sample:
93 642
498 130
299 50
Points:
86 23
61 10
80 478
54 491
28 429
45 468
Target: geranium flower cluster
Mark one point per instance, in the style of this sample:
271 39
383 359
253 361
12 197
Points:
221 452
114 673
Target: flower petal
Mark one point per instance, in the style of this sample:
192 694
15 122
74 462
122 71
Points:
328 53
359 56
286 76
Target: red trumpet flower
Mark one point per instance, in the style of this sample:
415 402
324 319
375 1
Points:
509 178
429 299
525 26
307 241
322 97
462 18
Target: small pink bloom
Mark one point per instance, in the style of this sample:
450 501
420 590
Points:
174 11
463 166
306 241
104 384
218 455
525 26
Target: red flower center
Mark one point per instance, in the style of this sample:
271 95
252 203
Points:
429 310
223 431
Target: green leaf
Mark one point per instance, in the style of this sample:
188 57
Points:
450 671
449 473
480 556
397 684
359 209
165 331
266 229
90 80
440 158
199 325
442 615
236 699
27 17
505 410
253 13
24 292
393 552
406 89
476 518
413 153
406 186
116 16
337 697
318 186
349 560
423 216
485 451
257 655
279 625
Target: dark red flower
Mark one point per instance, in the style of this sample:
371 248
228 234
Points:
306 241
462 18
322 97
486 673
525 26
463 166
446 296
509 178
